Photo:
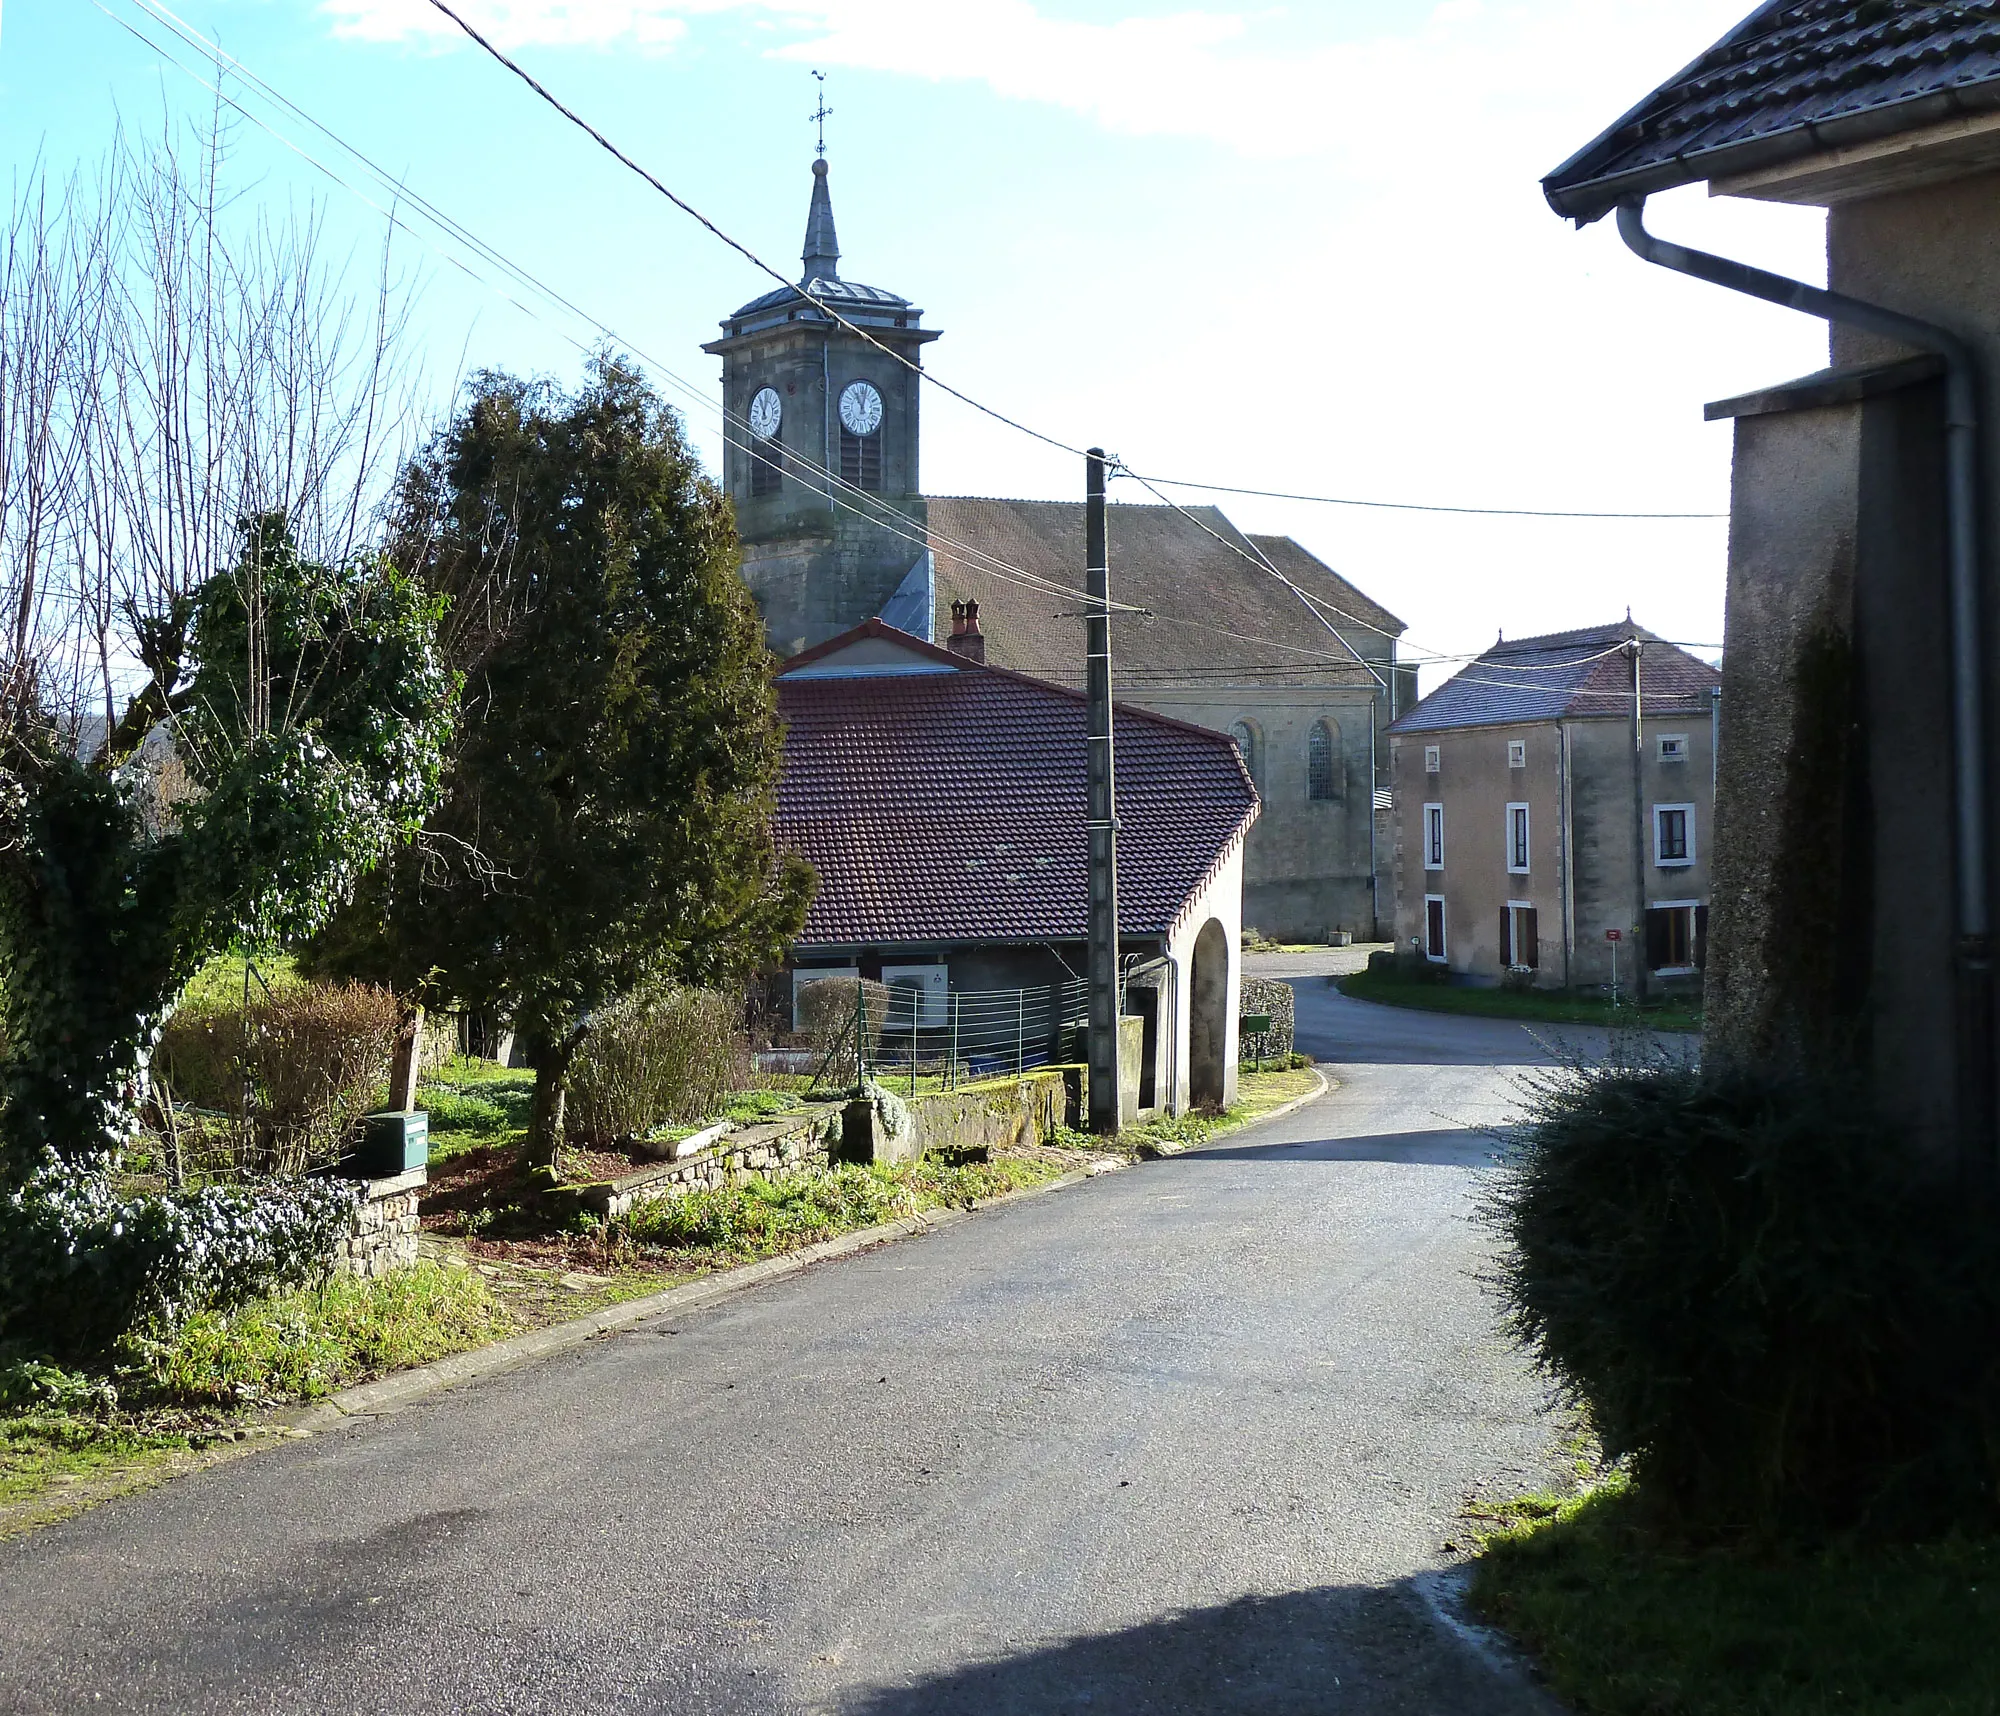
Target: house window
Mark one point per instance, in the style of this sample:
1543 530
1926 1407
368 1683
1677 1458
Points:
1673 747
1520 936
1245 736
1517 753
1430 759
1517 840
767 465
1434 948
1433 837
1673 835
1676 936
1322 758
861 460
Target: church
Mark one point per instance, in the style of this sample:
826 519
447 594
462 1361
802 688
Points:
822 464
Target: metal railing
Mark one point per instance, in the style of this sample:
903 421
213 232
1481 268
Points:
907 1033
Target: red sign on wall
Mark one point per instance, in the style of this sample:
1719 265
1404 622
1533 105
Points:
1614 935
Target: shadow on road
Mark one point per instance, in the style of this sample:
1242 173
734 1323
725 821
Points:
1372 1649
1446 1147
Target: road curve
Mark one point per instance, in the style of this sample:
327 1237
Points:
1180 1439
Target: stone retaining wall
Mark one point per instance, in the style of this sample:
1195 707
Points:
383 1235
775 1147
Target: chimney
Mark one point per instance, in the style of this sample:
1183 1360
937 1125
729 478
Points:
966 638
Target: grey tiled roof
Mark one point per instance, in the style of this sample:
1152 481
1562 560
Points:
1163 560
840 293
1565 676
1795 77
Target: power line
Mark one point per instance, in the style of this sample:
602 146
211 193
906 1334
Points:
882 514
1419 506
742 249
873 507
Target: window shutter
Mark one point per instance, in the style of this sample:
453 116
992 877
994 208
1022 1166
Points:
1701 938
1659 934
1531 933
1506 936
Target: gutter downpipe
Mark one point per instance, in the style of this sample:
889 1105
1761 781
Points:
1972 904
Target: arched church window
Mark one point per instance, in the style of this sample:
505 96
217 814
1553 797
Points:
861 436
1245 736
1322 762
767 465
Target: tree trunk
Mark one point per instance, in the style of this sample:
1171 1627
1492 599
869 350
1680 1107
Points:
545 1121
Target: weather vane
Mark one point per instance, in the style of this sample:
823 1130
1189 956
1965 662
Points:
821 114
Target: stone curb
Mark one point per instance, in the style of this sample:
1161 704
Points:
392 1393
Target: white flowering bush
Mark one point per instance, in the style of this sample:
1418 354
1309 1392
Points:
82 1261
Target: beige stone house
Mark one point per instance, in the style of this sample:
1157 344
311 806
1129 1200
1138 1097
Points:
1524 835
1855 895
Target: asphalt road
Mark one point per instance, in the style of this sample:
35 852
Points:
1180 1439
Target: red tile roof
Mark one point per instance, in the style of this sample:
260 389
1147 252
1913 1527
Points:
950 805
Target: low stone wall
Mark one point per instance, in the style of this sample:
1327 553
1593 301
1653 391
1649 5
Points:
997 1114
776 1146
383 1234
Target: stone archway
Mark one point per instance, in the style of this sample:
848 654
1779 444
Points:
1208 1017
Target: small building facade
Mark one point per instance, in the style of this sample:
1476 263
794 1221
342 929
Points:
1524 838
1861 764
943 802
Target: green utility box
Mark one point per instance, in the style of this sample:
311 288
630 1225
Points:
393 1144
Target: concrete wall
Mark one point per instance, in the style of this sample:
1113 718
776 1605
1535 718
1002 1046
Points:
1576 780
1831 941
1221 905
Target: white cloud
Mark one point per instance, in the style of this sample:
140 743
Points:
1266 85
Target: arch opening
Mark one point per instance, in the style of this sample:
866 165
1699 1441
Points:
1208 1022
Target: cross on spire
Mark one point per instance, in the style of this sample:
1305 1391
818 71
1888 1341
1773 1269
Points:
821 114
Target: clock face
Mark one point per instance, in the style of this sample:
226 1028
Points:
860 408
767 411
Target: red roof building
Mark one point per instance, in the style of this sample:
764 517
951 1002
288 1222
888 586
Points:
943 803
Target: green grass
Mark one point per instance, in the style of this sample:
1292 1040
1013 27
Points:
1623 1626
39 1451
305 1345
748 1107
763 1217
1534 1006
473 1103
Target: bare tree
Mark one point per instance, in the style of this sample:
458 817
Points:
173 362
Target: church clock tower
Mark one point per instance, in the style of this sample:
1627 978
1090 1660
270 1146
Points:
821 456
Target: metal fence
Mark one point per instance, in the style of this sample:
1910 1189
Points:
959 1036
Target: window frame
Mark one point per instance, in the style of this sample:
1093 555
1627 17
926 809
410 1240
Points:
1517 753
1433 819
1321 731
1251 753
1687 857
1526 845
1693 910
1443 954
1433 760
767 465
1671 758
1514 909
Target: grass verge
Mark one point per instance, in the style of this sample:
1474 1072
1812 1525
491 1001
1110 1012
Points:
1531 1006
1624 1626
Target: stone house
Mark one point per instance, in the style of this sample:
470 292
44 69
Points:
822 466
1525 837
1854 891
943 799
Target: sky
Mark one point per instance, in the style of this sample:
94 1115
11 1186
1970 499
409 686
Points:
1295 247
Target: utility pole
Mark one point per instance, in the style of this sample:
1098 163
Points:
1103 965
1638 834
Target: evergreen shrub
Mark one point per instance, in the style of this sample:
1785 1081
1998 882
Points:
1760 1296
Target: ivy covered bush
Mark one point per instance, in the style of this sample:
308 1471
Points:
108 907
82 1260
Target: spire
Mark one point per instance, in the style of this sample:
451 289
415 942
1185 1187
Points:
822 254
